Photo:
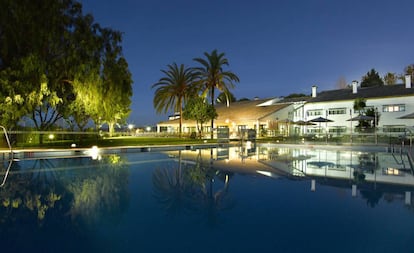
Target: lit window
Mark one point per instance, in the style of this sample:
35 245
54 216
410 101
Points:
393 108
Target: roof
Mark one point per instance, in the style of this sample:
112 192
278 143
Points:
366 92
247 110
239 111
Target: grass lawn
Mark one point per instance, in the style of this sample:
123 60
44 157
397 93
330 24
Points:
113 142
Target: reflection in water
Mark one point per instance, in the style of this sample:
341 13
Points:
83 205
36 190
170 187
374 174
191 186
102 194
370 174
19 199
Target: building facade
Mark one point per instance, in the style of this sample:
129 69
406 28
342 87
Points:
332 113
392 105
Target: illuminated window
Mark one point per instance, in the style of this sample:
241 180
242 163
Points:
393 108
392 171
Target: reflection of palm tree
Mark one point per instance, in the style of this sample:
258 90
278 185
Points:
208 201
170 188
43 174
372 196
214 202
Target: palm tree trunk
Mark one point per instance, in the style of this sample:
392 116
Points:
181 117
212 120
181 121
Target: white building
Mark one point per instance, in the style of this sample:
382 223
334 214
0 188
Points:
392 102
394 105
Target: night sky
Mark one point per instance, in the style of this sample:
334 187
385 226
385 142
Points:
275 47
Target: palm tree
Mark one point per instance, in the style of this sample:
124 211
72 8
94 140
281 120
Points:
173 89
212 76
226 98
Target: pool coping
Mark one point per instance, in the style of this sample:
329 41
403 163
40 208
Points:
34 153
70 152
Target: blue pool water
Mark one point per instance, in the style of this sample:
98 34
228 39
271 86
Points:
218 200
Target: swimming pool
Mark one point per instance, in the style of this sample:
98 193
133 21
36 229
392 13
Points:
237 199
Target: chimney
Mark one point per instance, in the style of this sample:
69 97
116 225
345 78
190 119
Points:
354 87
407 81
314 91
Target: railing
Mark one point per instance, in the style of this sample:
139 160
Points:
7 138
10 157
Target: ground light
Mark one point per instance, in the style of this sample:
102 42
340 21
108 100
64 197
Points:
94 153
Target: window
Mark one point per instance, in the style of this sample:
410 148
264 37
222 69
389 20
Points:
314 112
394 129
336 111
393 108
337 129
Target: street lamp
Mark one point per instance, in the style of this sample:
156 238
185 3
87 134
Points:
130 127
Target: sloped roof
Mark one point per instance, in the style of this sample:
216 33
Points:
239 111
366 92
247 110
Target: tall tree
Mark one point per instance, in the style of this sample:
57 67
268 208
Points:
34 50
409 70
212 76
49 51
359 105
116 82
372 78
198 109
174 89
390 78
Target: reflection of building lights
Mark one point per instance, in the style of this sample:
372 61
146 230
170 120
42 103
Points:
354 190
51 136
266 173
94 153
392 171
248 144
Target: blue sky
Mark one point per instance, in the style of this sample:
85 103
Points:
275 47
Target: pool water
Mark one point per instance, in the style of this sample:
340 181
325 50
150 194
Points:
215 200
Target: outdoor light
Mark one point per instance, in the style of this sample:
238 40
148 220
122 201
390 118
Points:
51 136
130 126
94 153
148 128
